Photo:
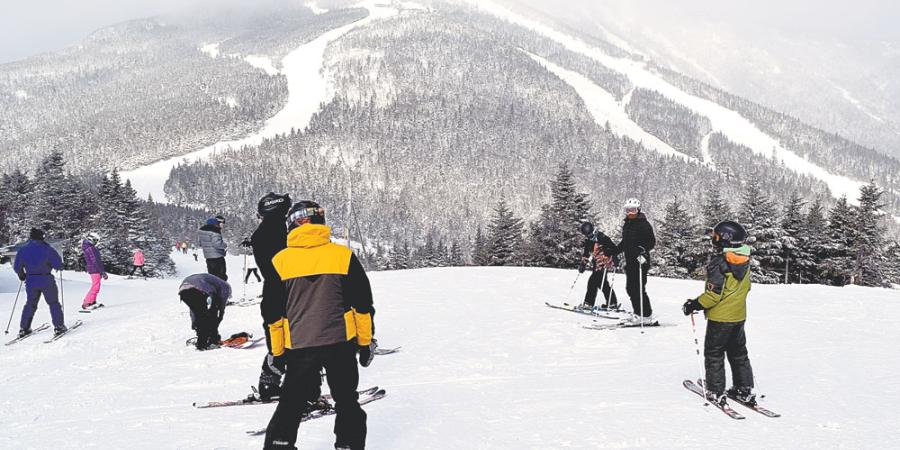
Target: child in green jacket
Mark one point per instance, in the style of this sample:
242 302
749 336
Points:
725 305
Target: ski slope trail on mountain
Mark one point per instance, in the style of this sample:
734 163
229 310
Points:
308 89
730 123
485 365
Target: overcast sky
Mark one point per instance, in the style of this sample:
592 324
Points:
28 27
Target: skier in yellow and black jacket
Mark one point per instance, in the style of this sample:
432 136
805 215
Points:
327 321
725 303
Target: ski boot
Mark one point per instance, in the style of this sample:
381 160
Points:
269 389
717 398
24 332
88 306
585 307
743 394
59 330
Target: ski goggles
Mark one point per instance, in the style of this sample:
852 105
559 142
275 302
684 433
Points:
632 211
301 214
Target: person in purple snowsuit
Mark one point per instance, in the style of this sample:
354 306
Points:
94 268
34 265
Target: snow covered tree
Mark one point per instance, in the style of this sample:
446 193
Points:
15 188
869 243
60 205
714 208
837 261
757 215
814 242
793 241
455 256
555 239
504 237
679 253
399 257
480 255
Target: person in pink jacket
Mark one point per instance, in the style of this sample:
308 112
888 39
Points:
138 262
94 264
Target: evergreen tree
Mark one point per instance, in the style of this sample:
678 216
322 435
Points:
455 256
837 262
680 253
758 217
792 242
815 242
59 205
555 239
480 255
869 243
15 188
504 237
399 257
714 208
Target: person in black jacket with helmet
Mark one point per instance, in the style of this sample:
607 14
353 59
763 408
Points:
637 241
601 248
270 238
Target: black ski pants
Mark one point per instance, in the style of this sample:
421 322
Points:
635 284
133 268
726 339
600 280
216 266
252 271
301 385
205 316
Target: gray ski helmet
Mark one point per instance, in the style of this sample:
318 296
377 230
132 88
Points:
728 234
304 209
273 204
587 229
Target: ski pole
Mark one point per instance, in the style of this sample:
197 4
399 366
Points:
641 292
602 282
572 288
699 358
244 295
62 293
14 307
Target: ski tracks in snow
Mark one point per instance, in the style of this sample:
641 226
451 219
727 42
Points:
308 90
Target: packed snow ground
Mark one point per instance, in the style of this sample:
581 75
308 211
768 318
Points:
308 90
484 365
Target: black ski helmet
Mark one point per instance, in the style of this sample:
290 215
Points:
273 204
728 234
587 229
304 209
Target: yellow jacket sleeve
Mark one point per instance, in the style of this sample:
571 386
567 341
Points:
363 328
280 336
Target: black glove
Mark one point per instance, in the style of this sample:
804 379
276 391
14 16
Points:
690 306
581 267
21 277
366 354
245 243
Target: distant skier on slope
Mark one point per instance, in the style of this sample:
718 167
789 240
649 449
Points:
206 296
326 323
251 269
214 248
94 263
270 238
599 247
137 262
725 305
637 241
34 265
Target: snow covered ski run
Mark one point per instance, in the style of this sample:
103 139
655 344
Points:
91 308
695 388
254 399
602 313
68 330
319 413
22 338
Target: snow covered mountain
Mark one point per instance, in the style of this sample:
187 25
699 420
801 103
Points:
484 365
408 110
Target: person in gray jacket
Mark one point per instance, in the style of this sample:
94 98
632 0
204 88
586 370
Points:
206 296
214 247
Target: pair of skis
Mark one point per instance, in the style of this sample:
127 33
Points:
329 410
255 399
697 388
617 314
242 340
42 328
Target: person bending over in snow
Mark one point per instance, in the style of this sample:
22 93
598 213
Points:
637 241
725 305
34 265
600 247
94 264
206 296
327 321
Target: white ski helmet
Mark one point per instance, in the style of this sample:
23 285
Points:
93 237
632 203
